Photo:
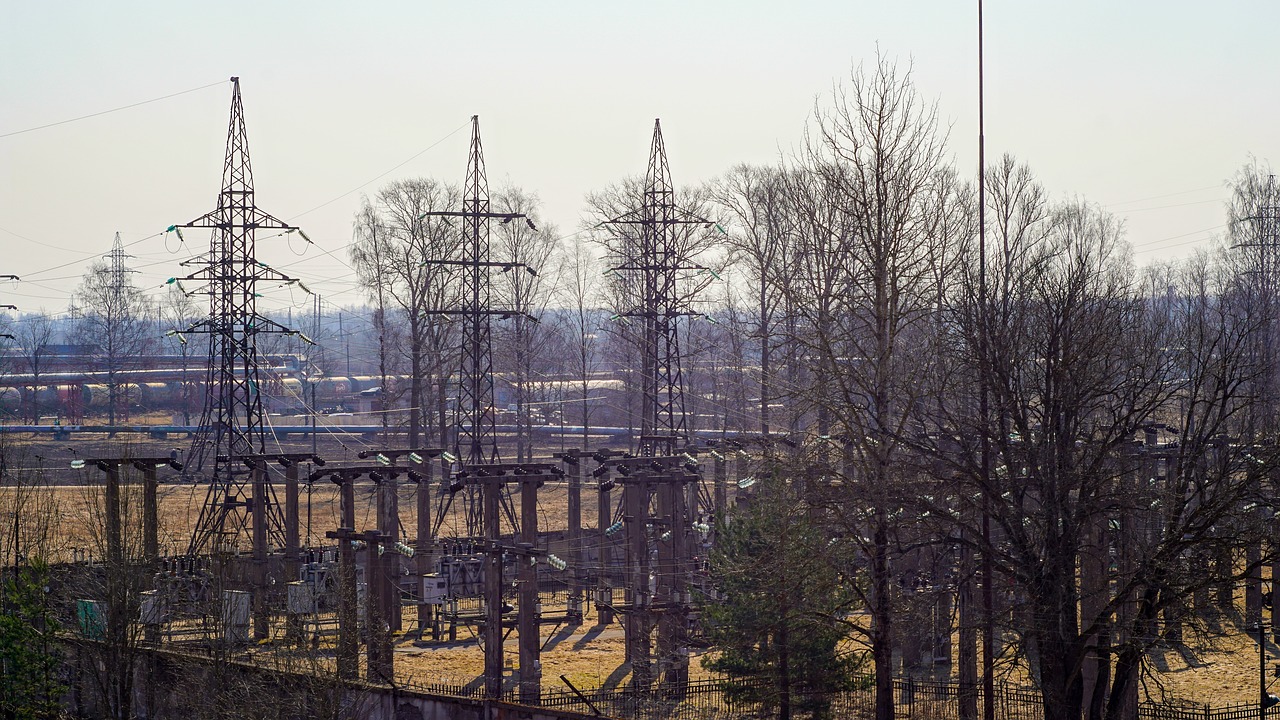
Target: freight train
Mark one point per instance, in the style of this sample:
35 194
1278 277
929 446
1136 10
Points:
64 397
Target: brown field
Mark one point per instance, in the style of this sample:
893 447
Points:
62 520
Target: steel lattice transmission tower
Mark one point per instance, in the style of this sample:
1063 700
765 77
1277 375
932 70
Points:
1268 217
120 307
658 244
657 256
475 438
231 423
119 272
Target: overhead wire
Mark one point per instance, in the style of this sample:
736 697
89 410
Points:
378 177
112 110
1161 197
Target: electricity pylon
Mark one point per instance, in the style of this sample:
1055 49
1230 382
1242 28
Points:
231 424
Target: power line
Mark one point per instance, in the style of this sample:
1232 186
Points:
105 112
384 174
1161 197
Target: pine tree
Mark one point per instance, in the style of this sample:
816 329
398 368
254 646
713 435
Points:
29 682
778 618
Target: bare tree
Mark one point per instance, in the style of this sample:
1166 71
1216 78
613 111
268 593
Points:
525 288
867 292
1255 262
392 252
112 316
579 289
34 333
1094 537
179 311
761 233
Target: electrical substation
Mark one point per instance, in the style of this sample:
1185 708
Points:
435 531
364 588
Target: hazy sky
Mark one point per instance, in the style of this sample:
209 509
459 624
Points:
1147 108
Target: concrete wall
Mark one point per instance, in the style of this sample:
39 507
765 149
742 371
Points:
174 685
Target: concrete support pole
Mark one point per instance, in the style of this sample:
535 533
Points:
1174 612
639 621
425 544
942 625
967 612
530 618
1095 671
693 495
115 538
604 584
348 633
493 665
1125 539
719 482
673 642
261 611
389 525
150 516
574 468
347 503
379 656
292 546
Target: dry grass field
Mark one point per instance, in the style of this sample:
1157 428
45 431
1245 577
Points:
63 521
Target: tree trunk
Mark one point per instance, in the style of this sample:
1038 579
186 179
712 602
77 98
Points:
764 361
784 668
416 343
882 619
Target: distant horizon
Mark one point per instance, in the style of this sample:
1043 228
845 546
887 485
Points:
1146 109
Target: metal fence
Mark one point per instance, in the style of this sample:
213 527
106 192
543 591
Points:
1244 711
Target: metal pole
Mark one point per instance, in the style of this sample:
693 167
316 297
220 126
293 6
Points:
988 590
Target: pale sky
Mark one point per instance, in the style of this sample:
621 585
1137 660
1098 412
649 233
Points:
1147 108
